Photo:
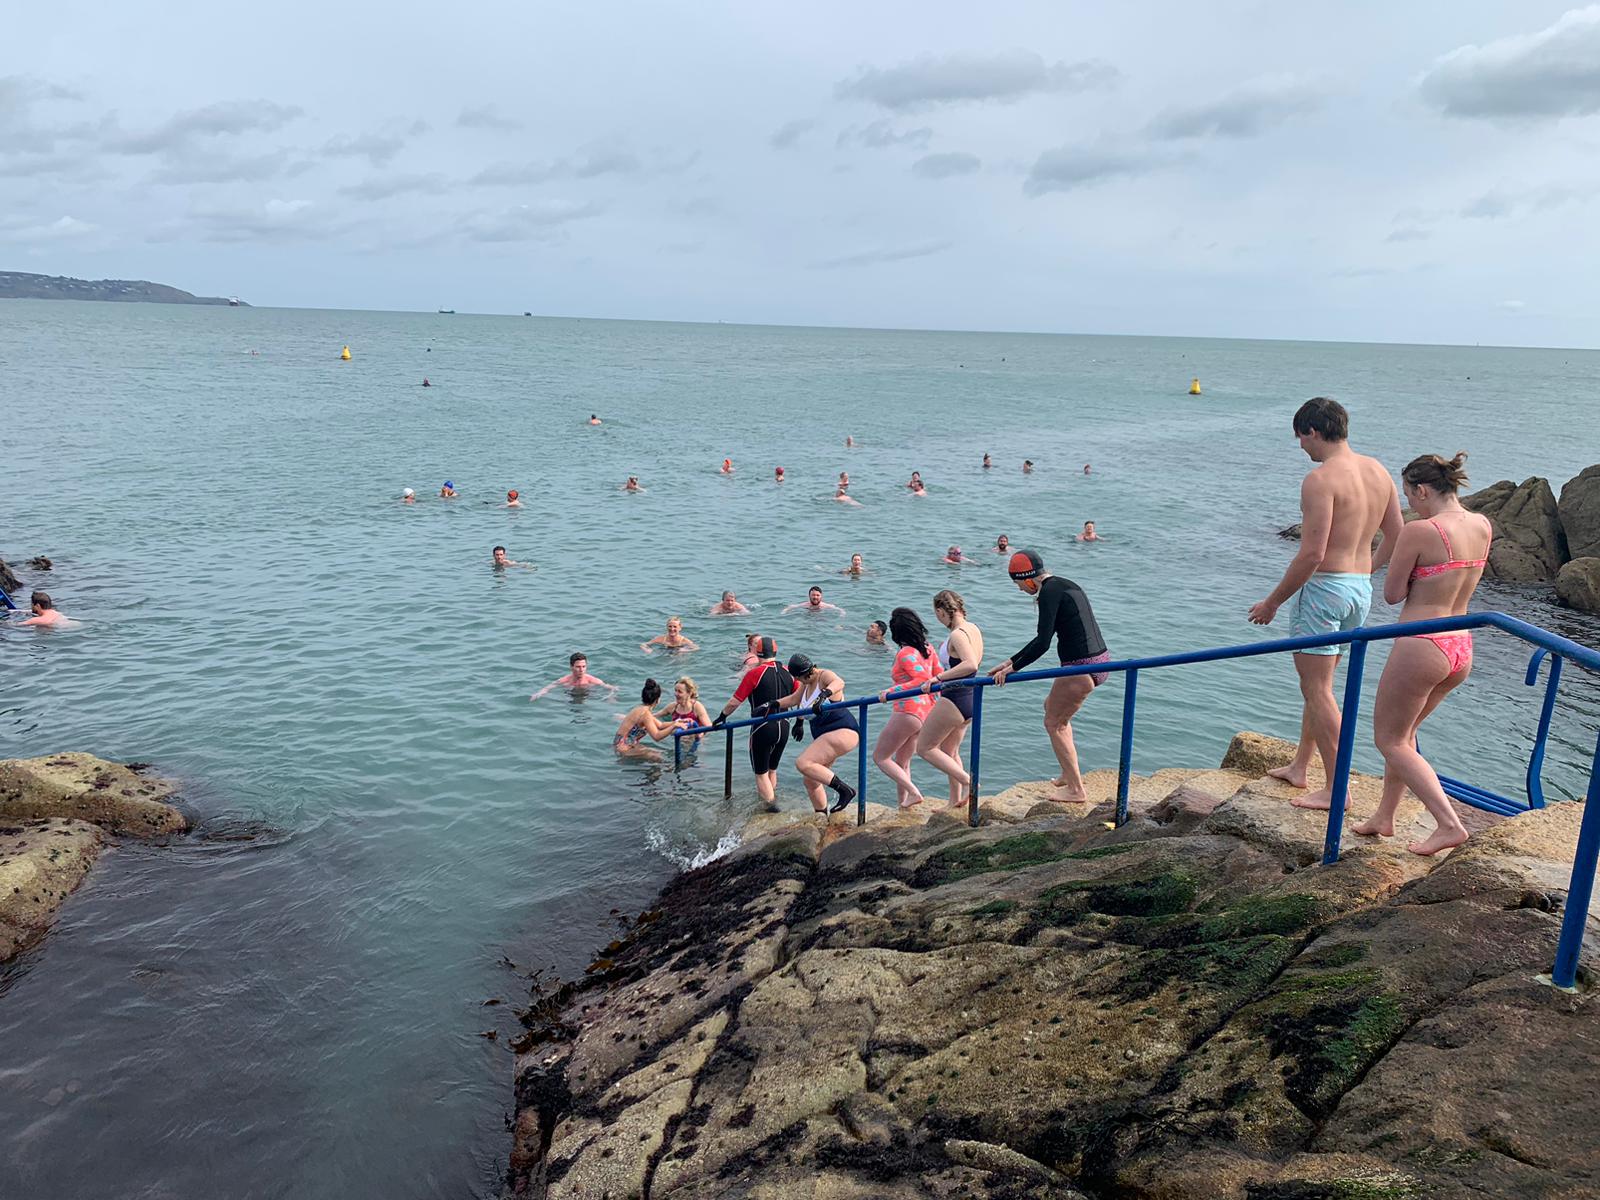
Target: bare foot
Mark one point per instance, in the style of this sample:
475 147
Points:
1374 826
1319 800
1439 839
1072 797
1292 775
913 804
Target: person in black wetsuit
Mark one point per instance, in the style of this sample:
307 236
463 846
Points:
764 685
833 733
1065 614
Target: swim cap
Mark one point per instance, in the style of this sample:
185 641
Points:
799 664
408 492
1025 564
767 648
512 494
449 485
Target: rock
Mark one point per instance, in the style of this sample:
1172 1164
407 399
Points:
9 583
1580 513
1257 753
1578 584
40 563
41 862
1187 1007
1529 545
86 788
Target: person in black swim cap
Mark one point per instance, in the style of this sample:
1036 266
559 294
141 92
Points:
833 732
1065 614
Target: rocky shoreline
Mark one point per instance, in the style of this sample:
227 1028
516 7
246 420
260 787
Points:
57 815
1185 1007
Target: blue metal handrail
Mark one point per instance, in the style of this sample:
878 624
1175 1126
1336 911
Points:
1586 858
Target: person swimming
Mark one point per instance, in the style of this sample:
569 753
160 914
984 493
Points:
1002 544
513 499
632 485
594 420
777 474
501 562
408 496
728 606
1085 468
848 440
448 491
855 568
752 649
987 462
834 732
843 496
1027 466
954 557
425 382
576 677
672 639
686 711
914 485
1088 534
45 615
727 466
640 722
814 604
876 633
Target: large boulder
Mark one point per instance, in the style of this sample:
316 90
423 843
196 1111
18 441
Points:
1529 545
85 788
1580 513
9 583
1578 584
41 862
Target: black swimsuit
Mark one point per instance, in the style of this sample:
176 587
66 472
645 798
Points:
959 694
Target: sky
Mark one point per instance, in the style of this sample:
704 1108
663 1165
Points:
1418 172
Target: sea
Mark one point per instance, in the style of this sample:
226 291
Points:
312 994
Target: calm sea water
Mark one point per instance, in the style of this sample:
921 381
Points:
290 1003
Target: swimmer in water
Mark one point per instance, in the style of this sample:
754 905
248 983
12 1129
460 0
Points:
686 711
814 604
408 497
876 632
594 420
727 466
777 474
45 614
641 721
954 557
1085 468
1002 544
1027 466
986 462
577 677
855 568
915 483
672 639
844 478
752 649
728 606
1088 534
425 382
632 485
848 440
501 561
843 495
513 499
448 491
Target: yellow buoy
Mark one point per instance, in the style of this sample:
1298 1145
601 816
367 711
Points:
1194 385
345 355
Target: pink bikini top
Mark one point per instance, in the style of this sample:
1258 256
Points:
1455 564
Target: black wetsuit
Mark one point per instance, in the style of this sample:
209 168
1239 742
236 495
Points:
767 741
1064 613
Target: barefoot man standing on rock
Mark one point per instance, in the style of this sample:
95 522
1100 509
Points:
1346 500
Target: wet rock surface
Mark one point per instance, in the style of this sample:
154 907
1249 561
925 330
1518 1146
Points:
1578 585
41 863
1044 1007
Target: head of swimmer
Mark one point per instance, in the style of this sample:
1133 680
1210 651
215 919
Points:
1088 528
855 564
41 603
674 627
876 632
650 692
500 556
814 597
579 663
1002 543
685 691
1321 427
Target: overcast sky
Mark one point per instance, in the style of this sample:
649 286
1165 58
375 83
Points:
1362 171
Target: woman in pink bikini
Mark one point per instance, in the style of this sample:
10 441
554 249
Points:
1436 566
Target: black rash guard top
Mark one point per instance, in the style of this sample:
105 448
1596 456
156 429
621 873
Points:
1064 612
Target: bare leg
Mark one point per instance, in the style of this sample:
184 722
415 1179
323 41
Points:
767 789
1382 821
1322 715
1065 699
899 735
1415 669
940 736
1295 773
815 764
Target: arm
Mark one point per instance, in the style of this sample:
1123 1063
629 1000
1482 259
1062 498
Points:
688 645
1048 611
960 647
1393 523
1316 508
1403 558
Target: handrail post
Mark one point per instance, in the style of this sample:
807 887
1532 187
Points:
1536 759
677 752
1340 783
727 770
1581 888
1130 697
861 771
977 746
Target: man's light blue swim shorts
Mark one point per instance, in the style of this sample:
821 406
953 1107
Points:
1335 602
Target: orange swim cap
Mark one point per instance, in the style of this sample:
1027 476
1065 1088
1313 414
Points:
1025 564
512 494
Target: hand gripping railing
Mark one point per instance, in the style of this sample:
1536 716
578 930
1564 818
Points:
1587 856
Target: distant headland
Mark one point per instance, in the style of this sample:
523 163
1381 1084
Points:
19 285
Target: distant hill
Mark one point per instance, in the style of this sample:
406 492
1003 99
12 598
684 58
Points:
19 285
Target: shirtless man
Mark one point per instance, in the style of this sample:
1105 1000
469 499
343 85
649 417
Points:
814 604
45 613
843 495
728 606
513 499
1346 500
577 677
632 485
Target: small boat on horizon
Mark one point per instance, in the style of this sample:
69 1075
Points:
448 311
233 302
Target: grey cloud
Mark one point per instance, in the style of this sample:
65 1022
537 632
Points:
1488 207
599 162
226 118
387 187
790 132
525 222
1245 112
882 135
80 166
1408 233
377 148
213 166
21 131
65 228
1006 76
871 258
1552 73
274 221
1493 205
943 166
1069 167
485 117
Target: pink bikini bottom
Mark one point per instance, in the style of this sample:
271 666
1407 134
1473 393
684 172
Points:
1456 648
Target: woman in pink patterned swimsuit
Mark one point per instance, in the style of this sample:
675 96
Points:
913 666
1436 566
